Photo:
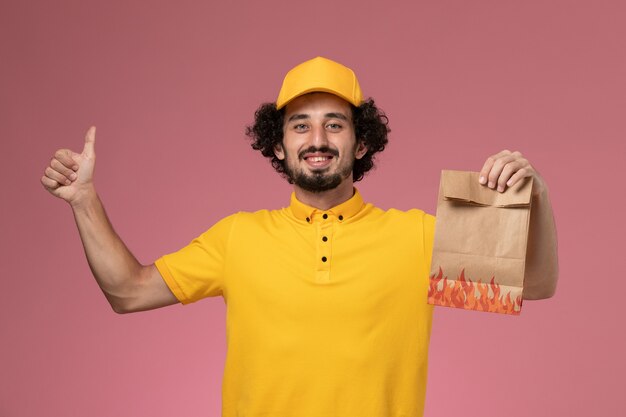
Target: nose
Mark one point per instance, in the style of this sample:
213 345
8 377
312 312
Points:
319 137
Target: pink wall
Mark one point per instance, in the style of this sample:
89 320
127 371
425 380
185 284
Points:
171 89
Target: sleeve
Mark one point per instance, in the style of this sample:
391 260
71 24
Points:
197 270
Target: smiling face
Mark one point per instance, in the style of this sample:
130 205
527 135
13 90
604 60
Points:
319 146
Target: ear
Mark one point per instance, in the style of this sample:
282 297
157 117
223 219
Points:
279 151
361 150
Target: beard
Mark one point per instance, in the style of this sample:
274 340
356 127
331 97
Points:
318 180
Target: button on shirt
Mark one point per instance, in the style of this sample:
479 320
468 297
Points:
326 309
325 224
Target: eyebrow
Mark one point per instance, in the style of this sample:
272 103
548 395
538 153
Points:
298 117
336 116
301 116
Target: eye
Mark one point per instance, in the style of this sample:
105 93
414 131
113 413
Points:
300 127
333 126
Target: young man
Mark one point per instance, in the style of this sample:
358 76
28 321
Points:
326 299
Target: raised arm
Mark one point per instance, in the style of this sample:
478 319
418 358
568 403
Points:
504 169
128 285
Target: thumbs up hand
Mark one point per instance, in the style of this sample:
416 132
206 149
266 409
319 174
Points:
69 175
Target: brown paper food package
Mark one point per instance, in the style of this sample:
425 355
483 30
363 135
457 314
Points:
480 244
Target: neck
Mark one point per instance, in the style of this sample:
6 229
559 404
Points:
326 199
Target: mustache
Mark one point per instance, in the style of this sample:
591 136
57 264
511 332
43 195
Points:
313 149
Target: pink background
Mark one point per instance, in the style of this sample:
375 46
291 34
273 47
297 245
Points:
171 85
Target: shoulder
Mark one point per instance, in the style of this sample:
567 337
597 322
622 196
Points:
408 216
254 217
245 221
399 220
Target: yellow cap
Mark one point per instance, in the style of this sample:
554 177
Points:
320 74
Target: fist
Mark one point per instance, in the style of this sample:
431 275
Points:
69 175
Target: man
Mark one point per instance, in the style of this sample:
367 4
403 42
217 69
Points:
326 299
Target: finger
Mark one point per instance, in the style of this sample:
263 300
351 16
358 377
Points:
519 175
56 165
89 150
496 170
49 183
484 172
507 171
57 176
66 157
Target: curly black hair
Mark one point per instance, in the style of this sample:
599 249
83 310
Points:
370 127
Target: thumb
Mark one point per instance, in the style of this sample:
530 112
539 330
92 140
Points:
90 143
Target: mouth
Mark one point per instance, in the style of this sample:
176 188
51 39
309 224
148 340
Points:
318 160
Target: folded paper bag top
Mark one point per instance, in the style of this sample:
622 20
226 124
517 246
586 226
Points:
479 252
464 186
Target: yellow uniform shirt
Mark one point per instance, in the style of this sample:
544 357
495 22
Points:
326 310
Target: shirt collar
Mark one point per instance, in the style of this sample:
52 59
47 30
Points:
342 211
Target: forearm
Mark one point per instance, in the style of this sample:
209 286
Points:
114 267
542 267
